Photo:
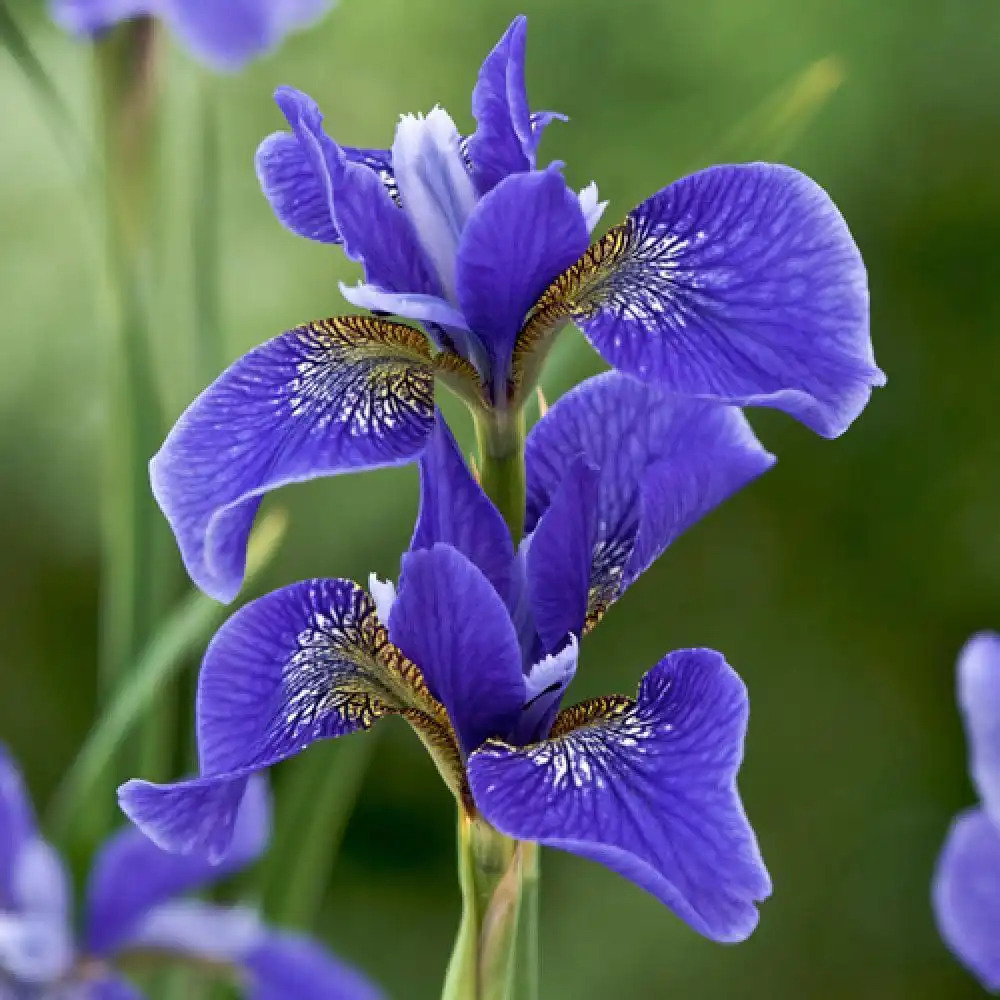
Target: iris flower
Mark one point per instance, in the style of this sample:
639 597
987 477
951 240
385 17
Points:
479 645
966 891
134 909
739 284
225 34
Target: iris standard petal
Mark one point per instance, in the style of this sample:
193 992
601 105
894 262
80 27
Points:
304 663
739 283
226 34
507 134
979 700
455 510
646 787
284 965
521 235
966 894
560 557
337 395
93 17
360 197
449 619
17 824
131 875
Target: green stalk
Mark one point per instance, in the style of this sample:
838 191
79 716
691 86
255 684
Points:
500 441
526 950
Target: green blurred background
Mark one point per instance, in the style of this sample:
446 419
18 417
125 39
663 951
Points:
841 585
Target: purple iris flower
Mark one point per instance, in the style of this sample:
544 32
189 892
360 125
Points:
134 904
480 643
966 890
225 34
739 284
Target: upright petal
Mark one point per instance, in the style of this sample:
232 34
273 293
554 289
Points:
455 510
304 663
522 234
740 284
979 700
360 198
664 462
647 788
226 34
333 396
507 134
966 894
449 619
17 824
131 875
283 966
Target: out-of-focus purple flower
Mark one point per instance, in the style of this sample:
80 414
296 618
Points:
740 284
966 887
477 650
134 902
225 34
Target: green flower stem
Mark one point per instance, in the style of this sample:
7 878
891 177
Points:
527 957
500 441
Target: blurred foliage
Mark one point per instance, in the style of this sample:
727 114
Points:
841 585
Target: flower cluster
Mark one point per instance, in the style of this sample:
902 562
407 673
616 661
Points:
737 286
135 908
225 34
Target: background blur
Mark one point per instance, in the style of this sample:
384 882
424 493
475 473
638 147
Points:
841 585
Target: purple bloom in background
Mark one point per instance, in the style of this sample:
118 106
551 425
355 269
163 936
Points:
480 644
966 889
225 34
738 284
134 902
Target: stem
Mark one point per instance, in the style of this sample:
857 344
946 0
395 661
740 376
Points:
500 440
526 972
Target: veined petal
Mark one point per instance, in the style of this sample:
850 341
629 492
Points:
663 463
740 284
333 396
449 619
132 876
966 894
646 787
455 510
523 233
284 966
979 700
507 134
362 201
226 34
17 825
307 662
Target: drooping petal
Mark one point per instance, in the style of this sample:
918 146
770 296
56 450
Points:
560 556
664 462
455 510
738 283
435 188
979 700
507 134
647 788
90 18
283 966
450 620
17 824
226 34
360 197
337 395
131 875
521 235
304 663
966 894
